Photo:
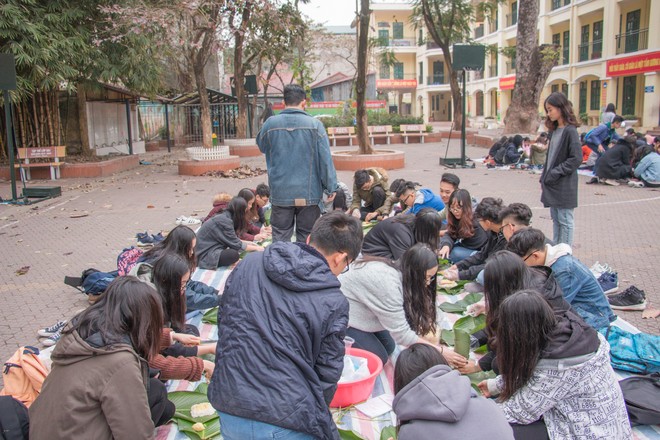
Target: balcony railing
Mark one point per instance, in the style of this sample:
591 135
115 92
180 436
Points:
632 41
479 32
403 42
556 4
435 80
590 51
431 45
511 68
492 70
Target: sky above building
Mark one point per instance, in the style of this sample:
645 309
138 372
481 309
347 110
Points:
330 12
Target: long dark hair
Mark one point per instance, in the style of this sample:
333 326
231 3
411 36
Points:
610 108
527 323
253 213
413 361
179 241
167 273
426 227
129 309
418 298
236 209
463 228
560 101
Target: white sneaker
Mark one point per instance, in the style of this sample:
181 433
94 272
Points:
598 269
49 331
188 221
635 184
610 182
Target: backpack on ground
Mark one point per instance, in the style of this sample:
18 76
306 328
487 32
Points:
642 396
23 374
127 259
638 353
92 281
14 419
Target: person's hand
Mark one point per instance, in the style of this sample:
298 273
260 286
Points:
209 367
259 248
443 252
483 387
476 309
186 339
370 216
356 213
451 274
470 367
443 232
601 149
331 197
454 359
266 230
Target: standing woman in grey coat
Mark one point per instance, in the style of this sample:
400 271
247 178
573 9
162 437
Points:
559 181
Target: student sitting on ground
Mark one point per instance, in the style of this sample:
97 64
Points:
511 154
448 184
220 202
99 386
370 191
539 151
559 370
464 234
251 231
471 268
599 138
395 235
413 199
390 305
492 152
256 214
579 286
648 169
434 402
614 164
514 217
218 244
342 200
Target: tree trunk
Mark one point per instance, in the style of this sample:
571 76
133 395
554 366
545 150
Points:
204 105
361 83
82 121
455 87
239 72
533 66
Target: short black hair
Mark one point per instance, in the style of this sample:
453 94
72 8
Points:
394 186
361 177
656 139
405 186
526 138
413 361
451 179
294 94
262 190
630 130
520 213
617 118
489 209
525 241
337 232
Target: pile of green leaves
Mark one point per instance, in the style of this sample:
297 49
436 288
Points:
461 305
211 316
389 432
183 401
460 284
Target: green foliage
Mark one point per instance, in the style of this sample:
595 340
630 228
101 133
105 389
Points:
462 343
584 117
460 284
183 402
373 117
629 117
389 432
461 305
211 316
348 435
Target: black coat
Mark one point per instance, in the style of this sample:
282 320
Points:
280 351
389 239
615 162
476 242
559 181
469 268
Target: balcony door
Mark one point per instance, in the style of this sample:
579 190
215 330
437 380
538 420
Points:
628 98
632 30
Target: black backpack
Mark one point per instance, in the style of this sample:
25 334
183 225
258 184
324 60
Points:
14 419
642 396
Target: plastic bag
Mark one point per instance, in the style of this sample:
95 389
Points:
355 368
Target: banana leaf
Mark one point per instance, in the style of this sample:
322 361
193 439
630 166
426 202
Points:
476 378
461 305
470 324
462 343
211 429
211 316
443 263
348 435
389 432
460 284
447 337
184 400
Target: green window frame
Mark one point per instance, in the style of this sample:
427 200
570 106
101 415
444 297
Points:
595 95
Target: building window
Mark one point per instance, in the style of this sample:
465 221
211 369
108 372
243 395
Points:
595 95
554 88
566 48
397 30
420 42
556 40
384 71
398 70
480 103
556 4
383 37
597 50
584 44
564 89
582 107
628 96
421 73
514 13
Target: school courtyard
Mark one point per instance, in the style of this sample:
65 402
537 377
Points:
95 219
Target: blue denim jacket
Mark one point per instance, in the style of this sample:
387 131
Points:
582 291
300 167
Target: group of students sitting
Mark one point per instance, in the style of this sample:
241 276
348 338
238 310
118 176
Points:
516 150
542 333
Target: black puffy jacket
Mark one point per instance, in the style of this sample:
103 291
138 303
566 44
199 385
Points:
282 323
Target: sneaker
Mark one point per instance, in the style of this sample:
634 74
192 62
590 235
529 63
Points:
52 339
630 299
144 239
183 220
49 331
635 184
610 182
609 281
598 269
157 237
593 180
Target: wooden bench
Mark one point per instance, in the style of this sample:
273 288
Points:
380 131
335 133
413 130
53 154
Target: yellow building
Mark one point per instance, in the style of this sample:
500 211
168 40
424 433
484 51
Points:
609 52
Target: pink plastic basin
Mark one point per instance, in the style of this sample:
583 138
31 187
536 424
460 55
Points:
349 393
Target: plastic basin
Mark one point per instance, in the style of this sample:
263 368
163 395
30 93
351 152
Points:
349 393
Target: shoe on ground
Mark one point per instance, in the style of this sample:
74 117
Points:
52 339
144 239
609 281
635 184
49 331
157 237
474 287
593 180
187 221
630 299
610 182
598 269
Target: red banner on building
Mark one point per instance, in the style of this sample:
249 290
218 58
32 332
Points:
333 104
508 82
648 62
396 83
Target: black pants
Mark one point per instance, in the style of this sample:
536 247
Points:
378 197
533 431
228 257
284 218
379 343
161 408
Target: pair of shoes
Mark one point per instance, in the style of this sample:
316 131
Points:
49 331
593 180
144 239
52 339
635 184
473 287
630 299
598 269
183 220
610 182
609 281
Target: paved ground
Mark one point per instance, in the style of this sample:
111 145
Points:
616 225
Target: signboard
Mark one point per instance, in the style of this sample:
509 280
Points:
508 82
7 72
335 104
648 62
250 85
468 57
649 89
396 83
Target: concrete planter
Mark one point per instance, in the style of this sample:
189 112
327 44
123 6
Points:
84 169
156 145
204 154
351 160
243 147
198 167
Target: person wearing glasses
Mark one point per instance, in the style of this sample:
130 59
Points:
413 199
391 304
514 217
464 234
281 328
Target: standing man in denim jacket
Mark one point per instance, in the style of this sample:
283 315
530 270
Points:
300 168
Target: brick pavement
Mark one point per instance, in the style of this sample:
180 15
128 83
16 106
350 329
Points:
613 224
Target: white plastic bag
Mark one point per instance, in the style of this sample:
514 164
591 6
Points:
355 368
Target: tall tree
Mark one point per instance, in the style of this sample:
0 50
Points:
447 22
364 145
533 66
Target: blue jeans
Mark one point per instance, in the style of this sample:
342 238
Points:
459 253
563 224
239 428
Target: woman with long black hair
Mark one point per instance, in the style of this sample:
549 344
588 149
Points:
465 235
392 305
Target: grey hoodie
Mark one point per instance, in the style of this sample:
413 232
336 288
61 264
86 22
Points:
440 403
